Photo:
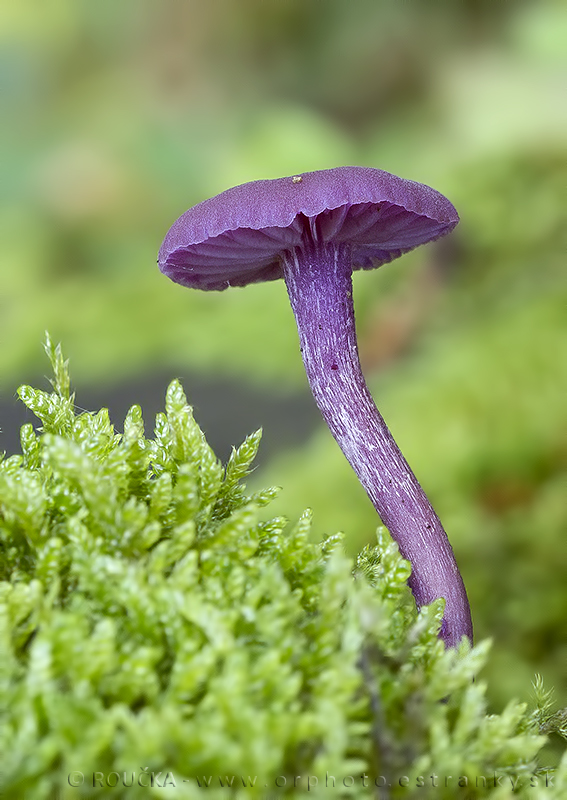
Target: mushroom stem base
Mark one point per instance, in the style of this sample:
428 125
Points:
319 283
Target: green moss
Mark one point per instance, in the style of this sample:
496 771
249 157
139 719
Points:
158 630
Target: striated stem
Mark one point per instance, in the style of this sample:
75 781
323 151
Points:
319 283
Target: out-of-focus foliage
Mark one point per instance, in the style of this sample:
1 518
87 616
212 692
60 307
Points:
158 631
117 117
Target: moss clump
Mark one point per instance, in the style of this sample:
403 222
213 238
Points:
159 632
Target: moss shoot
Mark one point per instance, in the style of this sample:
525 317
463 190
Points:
161 635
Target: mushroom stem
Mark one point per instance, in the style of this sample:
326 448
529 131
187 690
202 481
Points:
319 283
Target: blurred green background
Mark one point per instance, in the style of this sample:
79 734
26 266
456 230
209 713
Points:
117 117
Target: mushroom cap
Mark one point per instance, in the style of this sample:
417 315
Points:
241 235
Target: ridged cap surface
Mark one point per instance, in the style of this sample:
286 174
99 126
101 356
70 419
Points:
239 236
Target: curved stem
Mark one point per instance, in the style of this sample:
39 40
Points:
319 283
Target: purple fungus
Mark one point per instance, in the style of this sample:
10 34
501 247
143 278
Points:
313 230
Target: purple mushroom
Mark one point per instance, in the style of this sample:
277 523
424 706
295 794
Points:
313 230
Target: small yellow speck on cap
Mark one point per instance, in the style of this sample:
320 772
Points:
297 179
